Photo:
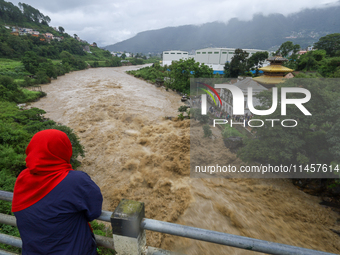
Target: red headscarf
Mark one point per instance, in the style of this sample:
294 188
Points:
48 163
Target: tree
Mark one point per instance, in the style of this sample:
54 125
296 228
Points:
31 61
286 48
329 66
181 71
227 70
238 64
311 60
330 43
289 50
32 14
47 19
123 56
43 22
61 30
256 60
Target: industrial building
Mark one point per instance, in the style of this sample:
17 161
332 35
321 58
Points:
217 57
174 55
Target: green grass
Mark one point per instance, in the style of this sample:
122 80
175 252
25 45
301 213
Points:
96 55
12 68
31 95
6 61
229 131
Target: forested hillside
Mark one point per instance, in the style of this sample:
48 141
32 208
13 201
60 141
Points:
23 15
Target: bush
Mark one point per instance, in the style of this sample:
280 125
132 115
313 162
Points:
148 73
230 131
196 114
42 77
207 130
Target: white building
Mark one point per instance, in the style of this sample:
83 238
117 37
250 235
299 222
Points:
174 55
217 57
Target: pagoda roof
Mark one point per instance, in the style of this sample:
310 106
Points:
276 69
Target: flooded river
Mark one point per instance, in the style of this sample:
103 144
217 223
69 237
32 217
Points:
133 152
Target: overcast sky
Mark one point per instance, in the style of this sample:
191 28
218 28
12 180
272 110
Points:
109 21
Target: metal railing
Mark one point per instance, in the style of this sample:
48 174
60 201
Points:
242 242
16 242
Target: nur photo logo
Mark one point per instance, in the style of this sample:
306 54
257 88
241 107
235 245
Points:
239 102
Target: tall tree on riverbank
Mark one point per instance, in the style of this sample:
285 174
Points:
238 64
181 71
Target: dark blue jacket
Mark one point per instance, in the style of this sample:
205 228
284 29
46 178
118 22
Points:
57 224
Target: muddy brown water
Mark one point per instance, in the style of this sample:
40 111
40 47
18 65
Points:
133 153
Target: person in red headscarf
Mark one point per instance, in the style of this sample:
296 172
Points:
52 203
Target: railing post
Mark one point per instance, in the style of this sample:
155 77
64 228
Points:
128 236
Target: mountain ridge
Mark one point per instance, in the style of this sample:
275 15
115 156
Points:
261 32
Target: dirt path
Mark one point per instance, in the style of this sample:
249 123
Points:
132 152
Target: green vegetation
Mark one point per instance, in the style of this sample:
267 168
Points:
181 71
102 230
324 61
35 52
184 109
13 69
229 131
150 73
196 114
10 91
329 43
22 15
315 139
207 130
240 64
176 76
286 48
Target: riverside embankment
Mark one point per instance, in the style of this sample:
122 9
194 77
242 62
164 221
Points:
133 153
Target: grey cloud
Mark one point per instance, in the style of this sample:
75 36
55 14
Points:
107 22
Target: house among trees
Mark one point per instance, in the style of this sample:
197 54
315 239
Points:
58 38
25 31
48 36
87 48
